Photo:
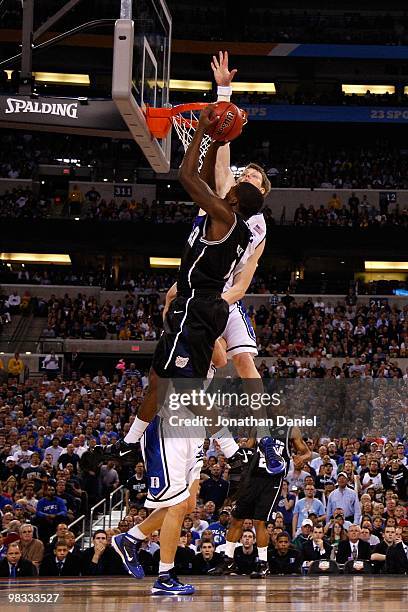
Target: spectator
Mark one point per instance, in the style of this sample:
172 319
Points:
14 301
285 504
245 556
13 532
214 488
61 562
353 548
316 548
219 528
31 548
397 555
184 559
304 507
101 559
54 450
136 488
51 365
344 498
284 559
15 367
109 478
206 559
395 476
304 535
50 511
3 547
379 554
13 566
69 456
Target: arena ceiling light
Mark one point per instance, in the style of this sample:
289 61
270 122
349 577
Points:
242 87
165 262
59 78
182 85
389 266
37 258
245 87
361 90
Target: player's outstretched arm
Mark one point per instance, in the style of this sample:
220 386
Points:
190 178
300 446
244 278
223 76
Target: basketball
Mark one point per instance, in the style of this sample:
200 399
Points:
229 126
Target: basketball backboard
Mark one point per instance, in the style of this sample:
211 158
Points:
141 72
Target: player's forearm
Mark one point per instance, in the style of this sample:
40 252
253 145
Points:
208 170
234 294
189 166
170 295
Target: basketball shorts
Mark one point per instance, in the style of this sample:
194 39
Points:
191 327
257 494
172 462
239 333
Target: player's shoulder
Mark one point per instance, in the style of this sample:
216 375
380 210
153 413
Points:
257 222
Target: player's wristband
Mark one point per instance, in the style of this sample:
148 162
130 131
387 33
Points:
224 93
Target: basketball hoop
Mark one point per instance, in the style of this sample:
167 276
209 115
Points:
184 118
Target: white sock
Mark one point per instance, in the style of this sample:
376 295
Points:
229 549
263 553
136 431
227 443
164 568
137 533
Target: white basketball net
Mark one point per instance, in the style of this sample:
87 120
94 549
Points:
185 125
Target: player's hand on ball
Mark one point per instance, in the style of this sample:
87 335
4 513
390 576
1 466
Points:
222 75
208 118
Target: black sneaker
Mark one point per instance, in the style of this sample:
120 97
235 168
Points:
224 568
240 460
121 450
261 570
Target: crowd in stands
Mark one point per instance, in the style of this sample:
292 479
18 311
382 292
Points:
23 204
134 318
358 213
272 25
371 332
349 501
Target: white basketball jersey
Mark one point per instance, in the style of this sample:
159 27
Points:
257 226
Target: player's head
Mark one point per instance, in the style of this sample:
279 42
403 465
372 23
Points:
256 175
245 198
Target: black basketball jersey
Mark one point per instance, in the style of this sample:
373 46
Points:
206 265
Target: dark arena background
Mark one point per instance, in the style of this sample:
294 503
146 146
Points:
93 223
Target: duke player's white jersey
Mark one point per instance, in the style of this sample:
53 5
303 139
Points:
239 334
257 226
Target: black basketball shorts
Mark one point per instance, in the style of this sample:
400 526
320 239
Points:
191 327
257 497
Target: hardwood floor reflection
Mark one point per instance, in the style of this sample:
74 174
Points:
234 593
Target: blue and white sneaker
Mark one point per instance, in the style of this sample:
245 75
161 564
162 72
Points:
275 464
126 547
169 584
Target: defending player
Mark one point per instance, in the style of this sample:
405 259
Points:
196 318
256 499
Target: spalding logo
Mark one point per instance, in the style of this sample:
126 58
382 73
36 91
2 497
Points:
226 123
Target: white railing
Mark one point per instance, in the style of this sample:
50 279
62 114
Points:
118 505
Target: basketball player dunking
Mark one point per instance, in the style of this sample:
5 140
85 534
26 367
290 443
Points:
239 336
196 318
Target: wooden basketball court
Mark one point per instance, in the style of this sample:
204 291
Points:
229 594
